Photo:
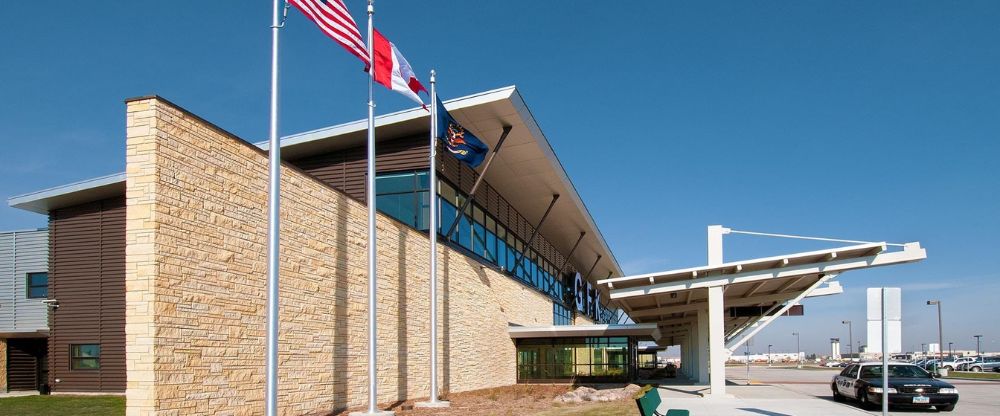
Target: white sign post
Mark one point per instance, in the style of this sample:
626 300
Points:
885 304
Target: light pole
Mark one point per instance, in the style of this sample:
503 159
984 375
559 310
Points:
769 354
940 335
978 337
798 349
850 337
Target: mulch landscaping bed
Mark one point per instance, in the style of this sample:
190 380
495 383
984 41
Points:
521 399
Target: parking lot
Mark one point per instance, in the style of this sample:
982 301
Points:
783 391
976 397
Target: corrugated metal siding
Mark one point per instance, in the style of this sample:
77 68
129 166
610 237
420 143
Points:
7 297
87 277
24 359
22 252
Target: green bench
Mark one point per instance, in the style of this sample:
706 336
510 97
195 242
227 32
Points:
648 400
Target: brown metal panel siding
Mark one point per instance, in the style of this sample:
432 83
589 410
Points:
23 359
87 277
346 169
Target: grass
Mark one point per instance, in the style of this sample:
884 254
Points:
981 376
62 405
624 408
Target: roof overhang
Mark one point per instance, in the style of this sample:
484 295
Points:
75 193
644 332
526 171
672 298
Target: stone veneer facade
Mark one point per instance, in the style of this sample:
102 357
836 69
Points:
195 283
3 365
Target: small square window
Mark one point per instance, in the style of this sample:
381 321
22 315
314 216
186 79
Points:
37 285
85 356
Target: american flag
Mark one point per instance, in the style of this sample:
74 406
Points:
336 22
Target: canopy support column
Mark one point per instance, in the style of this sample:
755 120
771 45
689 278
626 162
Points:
702 346
717 342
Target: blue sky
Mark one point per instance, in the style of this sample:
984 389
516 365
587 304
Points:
861 120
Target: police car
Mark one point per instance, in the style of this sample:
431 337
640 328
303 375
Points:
909 385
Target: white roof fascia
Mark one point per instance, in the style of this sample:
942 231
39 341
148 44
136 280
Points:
740 263
910 253
551 331
391 118
34 201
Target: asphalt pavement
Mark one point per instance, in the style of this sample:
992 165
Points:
805 392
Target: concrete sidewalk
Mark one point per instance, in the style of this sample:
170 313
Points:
750 400
767 400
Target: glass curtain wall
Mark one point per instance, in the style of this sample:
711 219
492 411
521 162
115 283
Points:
404 196
608 359
561 315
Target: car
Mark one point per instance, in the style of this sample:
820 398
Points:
952 364
909 385
984 364
833 364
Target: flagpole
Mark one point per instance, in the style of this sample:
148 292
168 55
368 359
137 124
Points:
372 238
432 234
273 230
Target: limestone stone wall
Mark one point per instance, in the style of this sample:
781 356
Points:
3 365
196 274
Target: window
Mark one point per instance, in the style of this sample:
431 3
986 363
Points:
588 359
38 285
404 196
85 356
561 315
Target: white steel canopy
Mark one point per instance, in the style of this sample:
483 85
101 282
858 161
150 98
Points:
692 307
666 296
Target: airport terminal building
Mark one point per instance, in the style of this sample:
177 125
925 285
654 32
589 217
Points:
156 276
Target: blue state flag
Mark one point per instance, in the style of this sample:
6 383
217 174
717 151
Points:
458 141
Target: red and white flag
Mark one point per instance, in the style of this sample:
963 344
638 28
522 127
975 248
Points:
392 70
336 22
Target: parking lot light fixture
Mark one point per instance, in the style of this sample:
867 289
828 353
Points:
978 337
940 331
850 338
798 349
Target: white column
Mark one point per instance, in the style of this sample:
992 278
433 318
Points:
702 348
717 342
715 233
715 319
685 355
